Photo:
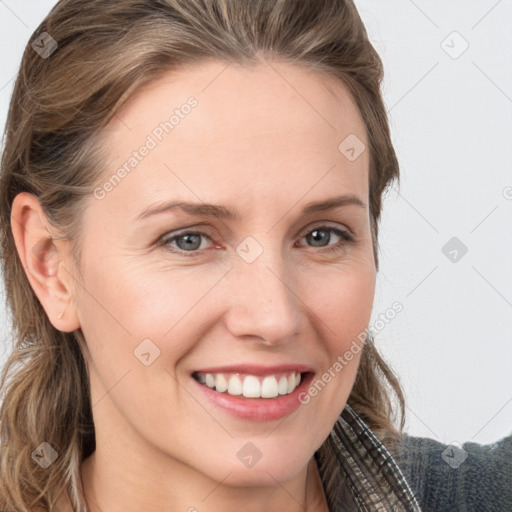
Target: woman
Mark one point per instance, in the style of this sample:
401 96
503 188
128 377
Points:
191 193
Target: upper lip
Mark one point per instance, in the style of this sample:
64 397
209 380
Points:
254 369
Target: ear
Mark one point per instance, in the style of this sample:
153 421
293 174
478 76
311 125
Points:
46 261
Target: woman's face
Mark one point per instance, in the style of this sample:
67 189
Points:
270 287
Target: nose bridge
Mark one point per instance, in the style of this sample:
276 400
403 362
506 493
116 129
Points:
264 303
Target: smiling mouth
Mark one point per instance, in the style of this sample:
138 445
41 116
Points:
251 386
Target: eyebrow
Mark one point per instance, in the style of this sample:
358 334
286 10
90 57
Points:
221 212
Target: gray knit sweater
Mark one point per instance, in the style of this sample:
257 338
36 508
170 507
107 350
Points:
359 473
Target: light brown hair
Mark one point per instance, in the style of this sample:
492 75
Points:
106 50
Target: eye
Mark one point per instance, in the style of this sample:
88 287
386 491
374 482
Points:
188 243
320 236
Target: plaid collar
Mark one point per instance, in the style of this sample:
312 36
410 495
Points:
358 472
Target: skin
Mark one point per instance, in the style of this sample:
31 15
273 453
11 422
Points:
262 140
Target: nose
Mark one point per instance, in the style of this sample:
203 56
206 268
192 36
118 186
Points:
263 300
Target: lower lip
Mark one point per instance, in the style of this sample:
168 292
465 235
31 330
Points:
258 409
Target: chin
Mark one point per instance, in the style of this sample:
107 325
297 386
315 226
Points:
252 466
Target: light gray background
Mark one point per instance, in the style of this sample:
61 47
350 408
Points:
451 119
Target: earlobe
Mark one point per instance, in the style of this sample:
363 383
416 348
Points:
44 261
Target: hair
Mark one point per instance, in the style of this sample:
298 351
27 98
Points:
106 51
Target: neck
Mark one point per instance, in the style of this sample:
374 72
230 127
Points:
104 491
130 480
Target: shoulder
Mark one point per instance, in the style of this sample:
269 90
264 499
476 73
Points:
473 476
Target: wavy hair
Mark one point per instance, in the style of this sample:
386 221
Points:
107 49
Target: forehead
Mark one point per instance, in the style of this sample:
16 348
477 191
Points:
260 93
252 129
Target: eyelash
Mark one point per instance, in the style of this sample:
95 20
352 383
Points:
346 236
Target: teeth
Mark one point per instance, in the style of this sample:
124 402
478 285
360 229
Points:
282 386
291 383
235 385
221 384
251 386
269 387
210 381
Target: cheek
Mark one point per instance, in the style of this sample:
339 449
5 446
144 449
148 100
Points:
343 300
140 300
344 307
140 321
